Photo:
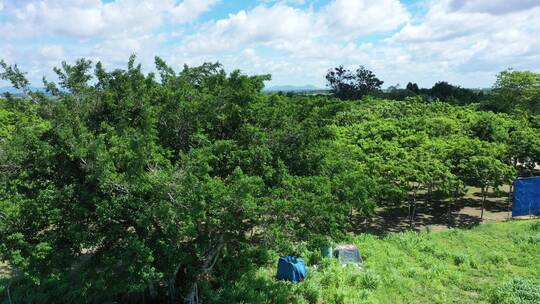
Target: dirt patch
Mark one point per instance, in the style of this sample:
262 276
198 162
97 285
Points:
438 215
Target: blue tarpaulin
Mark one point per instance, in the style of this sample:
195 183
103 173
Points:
291 268
526 196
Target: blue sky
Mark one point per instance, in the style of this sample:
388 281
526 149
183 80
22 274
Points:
465 42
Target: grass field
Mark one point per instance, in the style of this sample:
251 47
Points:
491 263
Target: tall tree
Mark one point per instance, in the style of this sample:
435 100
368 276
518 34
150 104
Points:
484 172
366 81
348 85
413 87
516 90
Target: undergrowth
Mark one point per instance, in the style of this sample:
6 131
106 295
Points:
492 263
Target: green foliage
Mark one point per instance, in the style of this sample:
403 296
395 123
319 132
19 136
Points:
444 91
348 85
516 91
410 148
122 184
459 259
125 185
14 75
516 291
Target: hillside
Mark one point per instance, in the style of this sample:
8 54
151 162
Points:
454 266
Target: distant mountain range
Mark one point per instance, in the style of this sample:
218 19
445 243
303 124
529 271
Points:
291 88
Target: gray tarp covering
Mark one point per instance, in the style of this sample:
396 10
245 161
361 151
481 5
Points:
348 254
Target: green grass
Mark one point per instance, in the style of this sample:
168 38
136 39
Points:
482 265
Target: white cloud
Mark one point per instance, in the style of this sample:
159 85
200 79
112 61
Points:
470 41
361 17
256 26
462 36
7 52
52 53
291 2
496 7
189 10
115 52
94 18
288 28
464 42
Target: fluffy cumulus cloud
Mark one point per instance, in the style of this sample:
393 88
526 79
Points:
496 7
262 25
465 42
281 24
52 52
91 18
475 35
354 18
189 10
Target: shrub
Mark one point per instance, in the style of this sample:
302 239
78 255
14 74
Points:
459 259
534 239
369 280
314 258
516 291
473 263
310 291
496 258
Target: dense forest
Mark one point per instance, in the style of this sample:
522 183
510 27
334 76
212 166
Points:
123 186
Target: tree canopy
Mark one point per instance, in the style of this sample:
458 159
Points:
119 185
516 90
349 85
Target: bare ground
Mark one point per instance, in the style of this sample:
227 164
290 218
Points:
434 215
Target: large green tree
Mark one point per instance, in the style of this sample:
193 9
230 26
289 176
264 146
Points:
516 90
126 182
349 85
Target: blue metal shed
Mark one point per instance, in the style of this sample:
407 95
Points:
526 199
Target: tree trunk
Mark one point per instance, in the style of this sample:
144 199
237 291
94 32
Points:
448 214
368 223
172 290
454 196
8 293
193 296
150 295
484 193
510 190
208 264
411 213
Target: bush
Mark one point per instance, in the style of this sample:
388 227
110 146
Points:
516 291
459 259
497 258
369 280
534 239
310 291
314 258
